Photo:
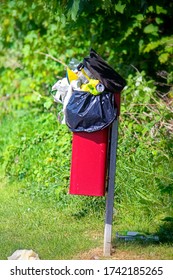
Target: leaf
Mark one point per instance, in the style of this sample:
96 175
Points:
2 159
151 28
48 104
159 20
160 10
139 17
151 46
74 9
163 57
120 7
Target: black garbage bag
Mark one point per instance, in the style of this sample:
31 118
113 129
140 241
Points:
88 112
101 71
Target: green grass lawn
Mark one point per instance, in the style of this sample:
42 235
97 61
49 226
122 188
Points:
56 234
53 234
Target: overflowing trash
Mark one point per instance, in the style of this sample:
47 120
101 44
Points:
87 94
134 236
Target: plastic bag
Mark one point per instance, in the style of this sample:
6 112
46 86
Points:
64 90
88 112
87 94
61 88
104 73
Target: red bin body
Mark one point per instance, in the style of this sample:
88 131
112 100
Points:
89 163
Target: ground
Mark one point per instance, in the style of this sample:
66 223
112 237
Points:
119 254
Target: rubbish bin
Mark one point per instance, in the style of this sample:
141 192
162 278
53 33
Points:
89 160
89 163
90 107
89 118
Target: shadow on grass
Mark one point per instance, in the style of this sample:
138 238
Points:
164 235
165 231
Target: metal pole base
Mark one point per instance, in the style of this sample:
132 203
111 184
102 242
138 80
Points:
111 187
107 240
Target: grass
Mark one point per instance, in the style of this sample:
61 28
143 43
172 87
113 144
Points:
55 234
36 212
137 251
32 224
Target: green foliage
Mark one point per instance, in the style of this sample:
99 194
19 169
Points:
145 154
125 33
35 149
37 153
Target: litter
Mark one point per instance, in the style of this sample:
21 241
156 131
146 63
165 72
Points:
87 110
61 88
134 235
24 255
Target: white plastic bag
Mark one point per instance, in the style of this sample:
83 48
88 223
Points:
64 91
24 255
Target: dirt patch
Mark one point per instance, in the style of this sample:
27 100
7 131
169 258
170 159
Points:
117 254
